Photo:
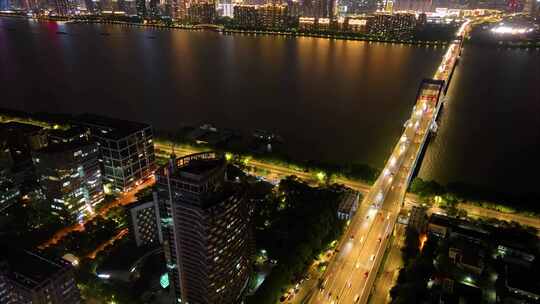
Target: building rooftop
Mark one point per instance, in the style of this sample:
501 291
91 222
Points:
110 127
30 269
71 133
440 220
347 202
65 147
202 166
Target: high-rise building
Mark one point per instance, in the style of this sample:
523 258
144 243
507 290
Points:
141 8
401 25
202 13
206 229
294 8
70 177
245 16
319 8
144 224
26 277
73 134
126 150
63 7
273 16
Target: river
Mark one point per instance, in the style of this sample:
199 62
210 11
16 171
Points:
331 100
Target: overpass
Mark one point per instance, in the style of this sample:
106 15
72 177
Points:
351 273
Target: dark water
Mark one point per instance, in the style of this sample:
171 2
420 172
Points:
490 129
330 100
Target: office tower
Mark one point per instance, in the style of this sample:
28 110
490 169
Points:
202 13
404 25
273 16
141 8
401 25
70 177
26 277
73 134
319 8
126 150
63 7
206 229
144 225
323 8
153 10
245 16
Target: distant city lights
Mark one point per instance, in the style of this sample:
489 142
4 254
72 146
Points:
503 29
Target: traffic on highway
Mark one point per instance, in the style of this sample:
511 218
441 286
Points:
351 273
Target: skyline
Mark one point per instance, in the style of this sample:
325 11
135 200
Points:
206 214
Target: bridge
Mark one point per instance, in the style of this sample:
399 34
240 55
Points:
351 273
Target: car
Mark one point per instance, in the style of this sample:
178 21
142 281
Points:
352 237
357 265
372 257
349 284
356 298
379 239
366 273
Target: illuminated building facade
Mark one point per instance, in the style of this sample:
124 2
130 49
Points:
63 7
273 16
141 8
401 25
319 8
70 177
126 150
26 277
307 23
246 16
144 225
206 229
74 134
202 13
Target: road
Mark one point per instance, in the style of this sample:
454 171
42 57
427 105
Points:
350 276
125 199
411 199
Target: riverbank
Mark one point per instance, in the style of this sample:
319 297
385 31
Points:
231 30
338 36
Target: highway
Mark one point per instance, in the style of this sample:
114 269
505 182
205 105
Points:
351 273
